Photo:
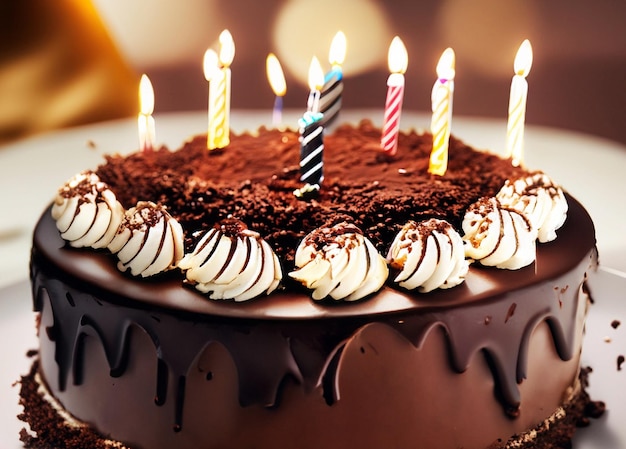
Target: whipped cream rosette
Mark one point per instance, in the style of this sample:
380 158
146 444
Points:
231 261
149 240
86 211
339 262
428 255
540 199
498 236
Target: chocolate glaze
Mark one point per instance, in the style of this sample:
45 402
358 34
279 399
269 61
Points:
287 336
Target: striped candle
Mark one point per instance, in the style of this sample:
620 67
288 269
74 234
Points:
441 97
316 81
517 104
145 121
330 98
218 130
398 62
311 149
218 135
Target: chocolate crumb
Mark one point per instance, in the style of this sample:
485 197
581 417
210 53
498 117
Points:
620 361
615 324
595 409
199 188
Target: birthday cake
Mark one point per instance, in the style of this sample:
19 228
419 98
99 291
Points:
188 298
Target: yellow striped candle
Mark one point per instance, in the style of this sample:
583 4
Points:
218 74
517 104
441 97
212 75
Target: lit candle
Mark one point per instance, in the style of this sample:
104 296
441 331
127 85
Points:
212 72
398 61
145 121
316 82
219 114
276 78
330 99
311 153
441 97
517 104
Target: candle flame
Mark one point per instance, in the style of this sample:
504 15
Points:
227 48
316 75
209 64
523 59
275 75
398 58
337 53
445 66
146 96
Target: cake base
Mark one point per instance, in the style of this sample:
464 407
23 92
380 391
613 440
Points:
52 429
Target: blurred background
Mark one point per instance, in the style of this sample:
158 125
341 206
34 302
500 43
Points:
70 62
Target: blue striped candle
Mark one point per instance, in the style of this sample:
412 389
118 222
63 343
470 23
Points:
311 150
330 98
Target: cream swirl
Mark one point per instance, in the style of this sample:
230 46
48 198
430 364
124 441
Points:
149 240
540 199
498 236
428 255
231 261
339 262
86 211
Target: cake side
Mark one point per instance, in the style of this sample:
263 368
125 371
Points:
94 339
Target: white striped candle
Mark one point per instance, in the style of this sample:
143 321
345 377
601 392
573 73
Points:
311 148
316 82
145 121
517 104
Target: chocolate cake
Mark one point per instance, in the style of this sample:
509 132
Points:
188 298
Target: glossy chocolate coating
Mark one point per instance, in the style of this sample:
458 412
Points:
157 365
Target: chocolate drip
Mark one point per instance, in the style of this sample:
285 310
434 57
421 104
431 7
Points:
266 353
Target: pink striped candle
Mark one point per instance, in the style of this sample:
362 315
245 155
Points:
398 61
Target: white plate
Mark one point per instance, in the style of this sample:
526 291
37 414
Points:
603 344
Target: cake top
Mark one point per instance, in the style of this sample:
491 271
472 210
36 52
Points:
253 179
369 206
